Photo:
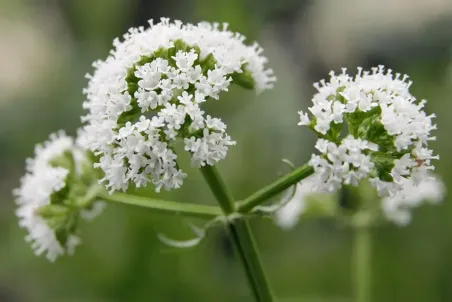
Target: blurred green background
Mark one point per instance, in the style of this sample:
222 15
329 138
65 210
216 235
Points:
46 47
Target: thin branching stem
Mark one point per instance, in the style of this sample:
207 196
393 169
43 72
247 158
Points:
241 236
164 206
285 182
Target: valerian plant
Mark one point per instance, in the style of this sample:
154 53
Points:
149 93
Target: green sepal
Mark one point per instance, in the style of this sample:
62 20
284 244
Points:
56 222
208 63
244 79
69 227
130 115
355 119
53 210
89 174
58 197
383 165
65 160
180 45
335 132
338 93
62 220
97 173
374 131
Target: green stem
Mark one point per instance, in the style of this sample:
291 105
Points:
241 236
274 188
219 189
164 206
237 238
249 245
362 257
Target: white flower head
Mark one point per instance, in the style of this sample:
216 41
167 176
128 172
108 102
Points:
148 93
41 198
398 208
369 126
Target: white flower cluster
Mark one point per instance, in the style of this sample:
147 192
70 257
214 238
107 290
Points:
41 184
346 163
148 93
388 131
397 208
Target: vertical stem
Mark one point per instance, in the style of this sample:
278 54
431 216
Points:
246 239
219 189
241 236
362 257
237 242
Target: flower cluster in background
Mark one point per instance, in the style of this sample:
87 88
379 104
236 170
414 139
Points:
149 92
47 203
398 208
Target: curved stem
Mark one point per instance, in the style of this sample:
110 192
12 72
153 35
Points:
241 236
164 206
362 257
274 188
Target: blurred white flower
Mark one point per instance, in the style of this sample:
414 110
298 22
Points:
387 131
287 217
41 197
148 93
398 208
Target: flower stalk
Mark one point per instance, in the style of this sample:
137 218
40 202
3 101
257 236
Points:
285 182
164 206
241 236
362 263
